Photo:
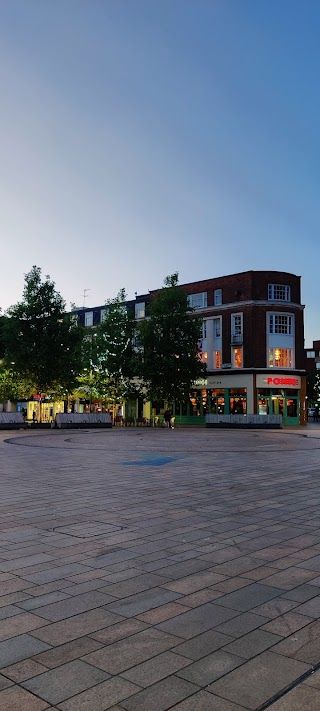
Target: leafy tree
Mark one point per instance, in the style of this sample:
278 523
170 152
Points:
13 386
170 337
111 359
313 387
44 341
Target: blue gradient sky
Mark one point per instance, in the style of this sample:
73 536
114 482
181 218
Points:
141 137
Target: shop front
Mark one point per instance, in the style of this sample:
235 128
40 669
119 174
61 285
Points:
279 395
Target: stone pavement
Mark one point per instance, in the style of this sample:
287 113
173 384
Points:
148 570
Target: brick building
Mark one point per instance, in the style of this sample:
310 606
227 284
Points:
312 359
252 342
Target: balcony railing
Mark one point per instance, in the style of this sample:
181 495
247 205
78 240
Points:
236 339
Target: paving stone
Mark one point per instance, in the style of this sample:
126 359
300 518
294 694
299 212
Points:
102 696
67 652
202 701
311 608
193 583
242 624
23 670
302 698
59 684
268 674
4 682
41 600
303 593
80 625
203 644
275 608
160 696
119 631
155 669
252 644
73 606
15 698
128 652
142 602
249 597
210 668
9 611
198 620
303 645
289 578
287 624
162 613
19 648
134 585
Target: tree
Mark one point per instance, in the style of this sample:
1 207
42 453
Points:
170 340
313 387
112 361
12 385
44 341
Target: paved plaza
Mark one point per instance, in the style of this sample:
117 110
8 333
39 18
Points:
148 570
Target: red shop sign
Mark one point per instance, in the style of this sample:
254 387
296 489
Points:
283 381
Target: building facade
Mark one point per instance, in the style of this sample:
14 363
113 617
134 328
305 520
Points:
252 343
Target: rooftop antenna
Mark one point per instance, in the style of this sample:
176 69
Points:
85 296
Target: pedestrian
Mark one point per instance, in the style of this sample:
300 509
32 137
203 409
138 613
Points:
167 418
34 416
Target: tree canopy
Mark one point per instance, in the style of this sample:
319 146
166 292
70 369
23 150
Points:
170 339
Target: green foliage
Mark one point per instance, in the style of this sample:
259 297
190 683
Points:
44 341
110 359
313 387
170 339
13 386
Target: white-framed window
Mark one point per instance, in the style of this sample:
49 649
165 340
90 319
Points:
280 358
217 327
236 324
103 315
217 297
140 310
281 323
217 360
88 318
311 354
279 292
237 357
198 301
203 330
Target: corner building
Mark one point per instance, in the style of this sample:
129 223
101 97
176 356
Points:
253 345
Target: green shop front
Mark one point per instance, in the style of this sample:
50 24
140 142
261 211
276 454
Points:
281 394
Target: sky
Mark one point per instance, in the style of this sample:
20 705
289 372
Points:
143 137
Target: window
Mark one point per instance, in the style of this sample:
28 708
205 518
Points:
278 292
318 366
236 324
311 354
140 310
217 297
204 356
217 327
280 358
204 329
88 318
217 359
280 323
198 301
237 358
102 315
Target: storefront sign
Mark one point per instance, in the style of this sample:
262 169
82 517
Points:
278 381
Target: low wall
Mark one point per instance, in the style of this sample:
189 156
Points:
11 420
244 421
76 420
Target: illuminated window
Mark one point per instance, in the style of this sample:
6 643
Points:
217 359
88 318
198 301
217 327
204 356
280 358
280 323
278 292
140 310
237 358
217 297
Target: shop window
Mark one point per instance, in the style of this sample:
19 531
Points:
198 301
217 297
217 360
140 310
279 292
217 402
292 407
280 323
217 327
238 405
280 358
88 319
263 405
237 358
